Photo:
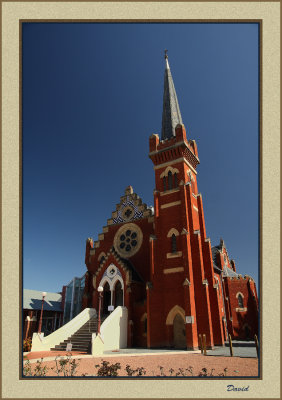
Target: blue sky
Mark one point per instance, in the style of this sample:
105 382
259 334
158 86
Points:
92 96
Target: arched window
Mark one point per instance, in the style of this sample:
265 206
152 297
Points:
173 243
169 176
164 183
175 180
118 295
106 299
240 301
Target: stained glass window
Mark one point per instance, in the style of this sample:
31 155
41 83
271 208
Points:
175 180
173 243
240 301
169 178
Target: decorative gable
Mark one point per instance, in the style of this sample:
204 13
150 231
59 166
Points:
130 208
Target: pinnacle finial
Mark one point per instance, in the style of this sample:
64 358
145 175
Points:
166 56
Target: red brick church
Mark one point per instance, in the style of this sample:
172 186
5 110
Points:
159 263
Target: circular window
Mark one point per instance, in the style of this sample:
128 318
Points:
128 240
111 271
127 213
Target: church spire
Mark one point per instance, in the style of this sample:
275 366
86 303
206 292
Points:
171 111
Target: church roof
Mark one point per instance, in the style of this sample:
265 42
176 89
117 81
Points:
226 272
32 300
135 275
171 112
229 272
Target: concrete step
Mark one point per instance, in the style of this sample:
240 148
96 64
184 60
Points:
81 339
249 343
74 347
76 341
81 336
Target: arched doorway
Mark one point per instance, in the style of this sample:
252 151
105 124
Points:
118 295
106 299
179 332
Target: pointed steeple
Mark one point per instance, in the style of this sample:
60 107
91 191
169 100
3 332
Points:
171 111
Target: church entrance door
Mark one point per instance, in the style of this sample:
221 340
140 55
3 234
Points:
118 295
179 332
106 299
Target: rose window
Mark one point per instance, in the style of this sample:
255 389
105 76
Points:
128 240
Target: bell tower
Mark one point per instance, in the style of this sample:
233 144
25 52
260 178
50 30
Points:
181 286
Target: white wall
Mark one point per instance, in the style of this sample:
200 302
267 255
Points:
41 343
113 332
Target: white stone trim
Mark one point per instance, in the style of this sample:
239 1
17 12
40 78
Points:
101 255
172 231
135 228
112 282
172 314
175 162
173 270
101 236
174 203
174 255
195 208
169 191
166 171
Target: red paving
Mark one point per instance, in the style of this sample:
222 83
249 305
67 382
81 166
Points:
236 366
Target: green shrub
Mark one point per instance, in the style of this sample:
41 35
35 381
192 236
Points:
27 344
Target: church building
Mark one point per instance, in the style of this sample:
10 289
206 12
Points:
158 261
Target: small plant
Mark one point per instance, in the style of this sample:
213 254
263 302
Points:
204 372
139 371
66 367
27 344
223 373
39 370
27 369
190 370
107 369
162 370
180 372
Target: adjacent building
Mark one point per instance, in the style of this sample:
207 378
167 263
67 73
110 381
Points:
52 316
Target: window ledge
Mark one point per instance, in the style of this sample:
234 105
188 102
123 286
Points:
165 192
174 255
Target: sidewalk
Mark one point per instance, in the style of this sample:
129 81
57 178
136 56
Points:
51 355
240 349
